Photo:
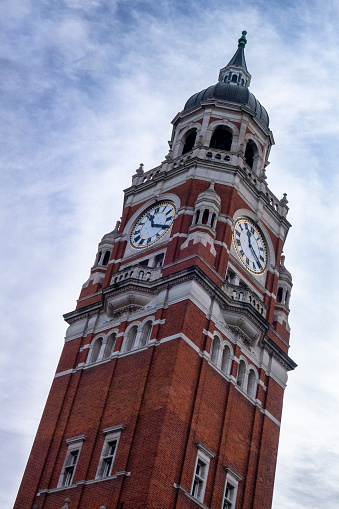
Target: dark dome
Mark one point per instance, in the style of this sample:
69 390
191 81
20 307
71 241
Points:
230 92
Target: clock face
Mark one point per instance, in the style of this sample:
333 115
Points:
152 225
250 246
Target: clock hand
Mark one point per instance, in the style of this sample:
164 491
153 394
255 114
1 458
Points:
160 225
151 218
249 239
254 253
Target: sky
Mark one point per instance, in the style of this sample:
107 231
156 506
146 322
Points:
88 89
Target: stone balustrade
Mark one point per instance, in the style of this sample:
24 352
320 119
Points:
244 294
136 272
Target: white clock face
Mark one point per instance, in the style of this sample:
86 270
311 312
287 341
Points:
154 223
250 246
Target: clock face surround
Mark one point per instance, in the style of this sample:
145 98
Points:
250 246
152 225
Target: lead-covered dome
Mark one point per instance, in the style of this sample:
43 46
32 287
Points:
230 92
234 80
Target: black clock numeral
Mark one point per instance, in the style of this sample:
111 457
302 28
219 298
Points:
247 260
259 264
262 258
238 242
252 230
137 238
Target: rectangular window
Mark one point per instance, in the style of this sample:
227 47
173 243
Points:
199 481
229 496
71 461
109 458
231 488
70 467
201 472
112 436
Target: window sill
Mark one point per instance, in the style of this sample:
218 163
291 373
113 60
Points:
79 483
200 504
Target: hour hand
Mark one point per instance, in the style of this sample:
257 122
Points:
160 225
151 218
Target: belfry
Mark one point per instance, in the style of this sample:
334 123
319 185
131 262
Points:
169 389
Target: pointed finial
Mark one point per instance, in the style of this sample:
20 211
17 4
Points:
243 41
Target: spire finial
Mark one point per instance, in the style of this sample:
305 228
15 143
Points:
236 70
243 41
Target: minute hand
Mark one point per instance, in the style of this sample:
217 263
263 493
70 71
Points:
254 253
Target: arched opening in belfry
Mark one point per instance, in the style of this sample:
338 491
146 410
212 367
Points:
221 138
189 141
250 153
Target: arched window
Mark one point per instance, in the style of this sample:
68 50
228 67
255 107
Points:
234 78
221 138
189 141
250 153
106 257
109 346
241 374
215 350
225 361
98 258
251 385
96 350
197 214
213 220
280 294
146 333
131 336
205 216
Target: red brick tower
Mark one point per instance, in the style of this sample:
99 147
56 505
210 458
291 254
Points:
169 389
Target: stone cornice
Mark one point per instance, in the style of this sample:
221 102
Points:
244 309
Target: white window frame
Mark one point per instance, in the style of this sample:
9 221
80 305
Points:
74 446
232 481
204 456
111 435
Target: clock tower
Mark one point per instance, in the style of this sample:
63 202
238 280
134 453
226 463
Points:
169 389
